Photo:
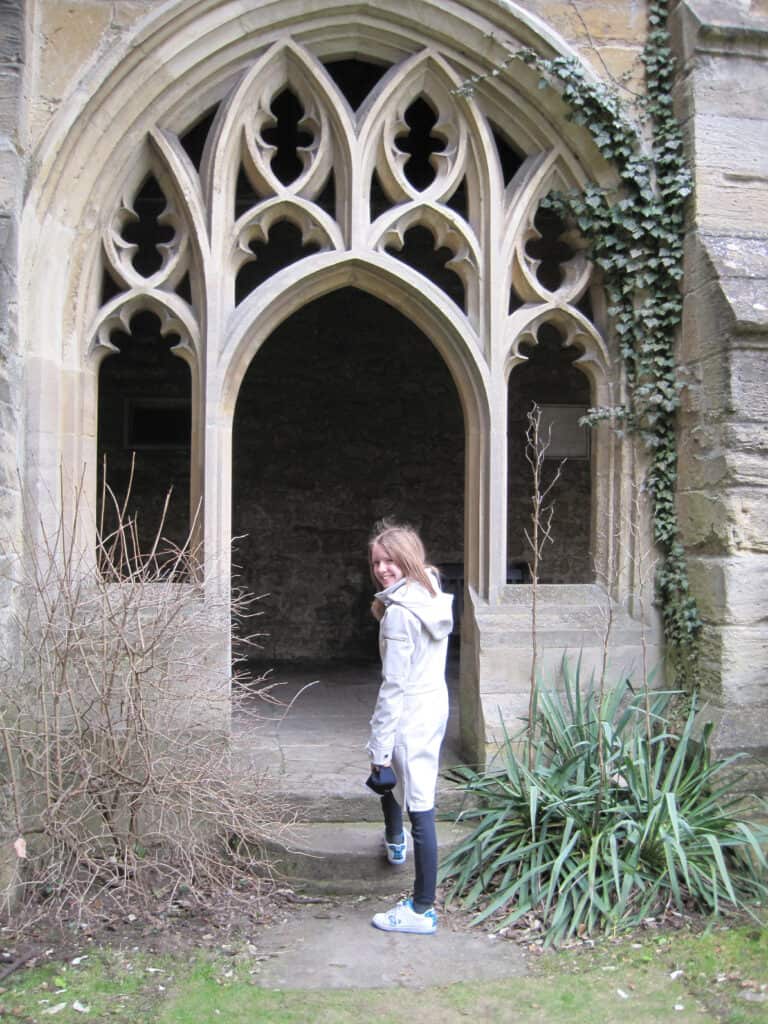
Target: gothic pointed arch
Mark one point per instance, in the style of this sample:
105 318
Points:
218 172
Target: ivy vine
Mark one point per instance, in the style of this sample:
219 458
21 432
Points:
635 234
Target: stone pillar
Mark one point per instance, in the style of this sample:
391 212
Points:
722 46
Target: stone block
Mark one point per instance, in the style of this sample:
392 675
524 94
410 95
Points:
713 81
730 591
602 21
701 471
733 257
10 90
11 178
704 522
734 665
722 523
12 36
70 36
748 376
731 203
722 27
746 467
733 144
623 64
702 462
706 324
748 303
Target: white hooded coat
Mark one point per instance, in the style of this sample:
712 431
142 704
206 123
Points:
411 712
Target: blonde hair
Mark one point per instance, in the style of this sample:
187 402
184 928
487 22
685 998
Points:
403 545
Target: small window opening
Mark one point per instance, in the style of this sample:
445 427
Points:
510 158
287 136
284 247
549 249
146 230
194 139
419 252
420 143
355 78
144 433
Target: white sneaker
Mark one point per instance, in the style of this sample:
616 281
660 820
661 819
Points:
403 918
396 852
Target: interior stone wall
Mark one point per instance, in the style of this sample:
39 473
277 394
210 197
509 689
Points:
347 414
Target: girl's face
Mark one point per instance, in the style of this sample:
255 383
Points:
385 571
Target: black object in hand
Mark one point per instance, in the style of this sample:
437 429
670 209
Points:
381 780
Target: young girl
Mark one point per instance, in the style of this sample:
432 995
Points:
411 712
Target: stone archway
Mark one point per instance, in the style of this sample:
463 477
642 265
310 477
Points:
199 111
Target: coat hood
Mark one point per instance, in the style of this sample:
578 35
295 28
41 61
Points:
434 612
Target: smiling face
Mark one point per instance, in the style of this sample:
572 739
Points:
385 570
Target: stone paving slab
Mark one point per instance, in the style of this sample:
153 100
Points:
334 946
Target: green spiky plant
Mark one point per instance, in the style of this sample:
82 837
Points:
587 849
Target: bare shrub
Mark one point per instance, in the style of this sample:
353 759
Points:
115 706
540 533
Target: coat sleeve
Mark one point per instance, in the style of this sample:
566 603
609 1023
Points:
399 630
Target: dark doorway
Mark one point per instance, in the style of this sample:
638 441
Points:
346 414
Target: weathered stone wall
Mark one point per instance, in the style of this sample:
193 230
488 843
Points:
72 35
724 348
12 171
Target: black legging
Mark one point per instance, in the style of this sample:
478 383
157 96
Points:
424 847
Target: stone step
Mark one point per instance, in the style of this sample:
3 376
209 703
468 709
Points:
347 858
559 594
562 638
332 800
550 615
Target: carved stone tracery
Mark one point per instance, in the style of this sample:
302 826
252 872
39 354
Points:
355 152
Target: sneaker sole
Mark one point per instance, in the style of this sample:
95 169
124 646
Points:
405 930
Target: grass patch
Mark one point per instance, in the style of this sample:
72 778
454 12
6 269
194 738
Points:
103 986
719 975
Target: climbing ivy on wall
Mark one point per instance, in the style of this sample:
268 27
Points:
635 235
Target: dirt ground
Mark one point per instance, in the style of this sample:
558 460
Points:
220 926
